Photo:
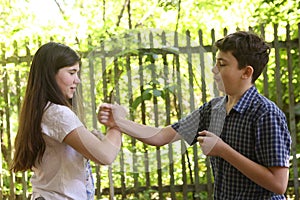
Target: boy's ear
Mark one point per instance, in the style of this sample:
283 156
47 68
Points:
248 72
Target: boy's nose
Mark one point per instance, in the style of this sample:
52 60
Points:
215 69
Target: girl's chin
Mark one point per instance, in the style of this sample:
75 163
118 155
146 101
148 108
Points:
70 96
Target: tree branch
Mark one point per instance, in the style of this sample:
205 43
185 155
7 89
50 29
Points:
178 15
60 9
122 11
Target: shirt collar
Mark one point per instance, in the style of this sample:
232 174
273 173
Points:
219 104
245 100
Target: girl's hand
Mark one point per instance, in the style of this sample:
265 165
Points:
105 115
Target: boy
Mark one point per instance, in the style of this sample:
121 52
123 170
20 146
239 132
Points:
245 134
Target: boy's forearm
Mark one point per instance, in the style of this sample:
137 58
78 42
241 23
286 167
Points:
136 130
273 179
147 134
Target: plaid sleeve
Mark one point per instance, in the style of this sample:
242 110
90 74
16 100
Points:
189 126
273 140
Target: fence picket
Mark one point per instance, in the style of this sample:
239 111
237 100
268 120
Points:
174 68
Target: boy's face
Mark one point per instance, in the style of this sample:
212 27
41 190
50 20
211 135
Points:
227 75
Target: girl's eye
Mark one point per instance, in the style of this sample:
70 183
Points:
72 72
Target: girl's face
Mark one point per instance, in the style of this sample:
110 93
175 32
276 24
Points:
67 80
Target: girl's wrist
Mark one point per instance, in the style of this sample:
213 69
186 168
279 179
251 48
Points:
114 128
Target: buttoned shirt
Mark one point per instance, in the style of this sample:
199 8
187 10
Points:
255 127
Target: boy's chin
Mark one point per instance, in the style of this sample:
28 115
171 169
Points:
221 89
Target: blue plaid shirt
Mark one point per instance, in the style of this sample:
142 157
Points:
255 127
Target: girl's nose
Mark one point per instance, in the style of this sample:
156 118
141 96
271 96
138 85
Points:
77 80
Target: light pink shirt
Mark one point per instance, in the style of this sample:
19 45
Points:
62 173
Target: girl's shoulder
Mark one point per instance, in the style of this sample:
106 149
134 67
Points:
58 121
56 108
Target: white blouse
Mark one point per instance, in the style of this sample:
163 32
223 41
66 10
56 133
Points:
63 173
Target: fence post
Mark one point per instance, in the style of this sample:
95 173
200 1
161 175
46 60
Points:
292 112
2 120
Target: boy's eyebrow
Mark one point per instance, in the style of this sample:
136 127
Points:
220 59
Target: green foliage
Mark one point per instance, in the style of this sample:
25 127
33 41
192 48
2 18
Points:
278 11
86 24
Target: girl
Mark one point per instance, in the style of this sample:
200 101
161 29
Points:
51 140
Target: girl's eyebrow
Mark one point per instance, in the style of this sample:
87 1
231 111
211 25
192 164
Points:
73 70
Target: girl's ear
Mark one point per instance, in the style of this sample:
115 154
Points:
248 72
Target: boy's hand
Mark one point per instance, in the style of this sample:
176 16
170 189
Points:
109 114
209 143
119 112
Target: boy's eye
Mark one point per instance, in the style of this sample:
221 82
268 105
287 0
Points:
221 64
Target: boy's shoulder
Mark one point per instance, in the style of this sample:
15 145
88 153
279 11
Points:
264 104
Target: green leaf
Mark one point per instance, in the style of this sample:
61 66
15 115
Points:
136 102
146 95
157 93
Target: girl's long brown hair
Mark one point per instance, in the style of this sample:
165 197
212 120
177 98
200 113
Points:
41 89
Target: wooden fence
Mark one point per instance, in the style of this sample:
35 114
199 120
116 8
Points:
160 76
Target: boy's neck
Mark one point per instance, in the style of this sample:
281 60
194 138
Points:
233 99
